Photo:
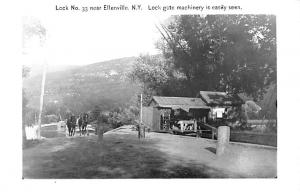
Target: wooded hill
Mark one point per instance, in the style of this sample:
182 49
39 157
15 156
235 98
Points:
104 84
80 89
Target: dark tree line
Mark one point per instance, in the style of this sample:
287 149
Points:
233 53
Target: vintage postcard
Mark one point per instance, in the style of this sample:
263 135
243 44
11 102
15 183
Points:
150 90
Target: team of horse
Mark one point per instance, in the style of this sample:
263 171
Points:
81 122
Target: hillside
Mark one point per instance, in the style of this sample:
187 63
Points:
80 89
105 84
37 69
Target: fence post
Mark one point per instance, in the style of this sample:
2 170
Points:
223 139
139 131
143 130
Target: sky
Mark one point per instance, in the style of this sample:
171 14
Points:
81 40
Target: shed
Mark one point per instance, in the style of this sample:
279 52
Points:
184 103
162 111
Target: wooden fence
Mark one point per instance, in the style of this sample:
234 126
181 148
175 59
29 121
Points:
255 138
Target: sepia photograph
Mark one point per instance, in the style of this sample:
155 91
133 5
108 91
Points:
149 96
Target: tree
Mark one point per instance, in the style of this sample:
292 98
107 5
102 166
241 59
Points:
157 76
96 114
233 53
152 72
32 28
25 73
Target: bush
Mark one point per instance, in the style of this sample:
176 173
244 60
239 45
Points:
120 117
50 119
117 117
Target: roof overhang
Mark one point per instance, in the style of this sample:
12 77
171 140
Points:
183 107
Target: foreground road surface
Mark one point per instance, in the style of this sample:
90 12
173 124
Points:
159 155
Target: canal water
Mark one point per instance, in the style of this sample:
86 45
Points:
52 131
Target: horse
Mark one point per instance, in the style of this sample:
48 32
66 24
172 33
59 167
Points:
71 124
84 123
79 122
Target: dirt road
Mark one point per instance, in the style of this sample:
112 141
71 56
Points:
159 155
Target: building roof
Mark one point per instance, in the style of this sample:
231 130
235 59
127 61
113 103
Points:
184 103
220 98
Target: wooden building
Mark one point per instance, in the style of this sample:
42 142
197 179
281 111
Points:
220 103
162 112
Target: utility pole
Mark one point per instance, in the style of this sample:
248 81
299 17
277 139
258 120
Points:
141 127
41 101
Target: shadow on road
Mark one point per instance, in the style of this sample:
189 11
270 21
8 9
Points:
121 156
211 149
